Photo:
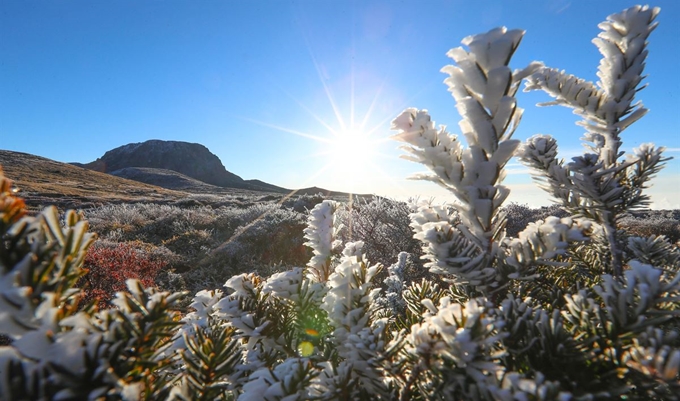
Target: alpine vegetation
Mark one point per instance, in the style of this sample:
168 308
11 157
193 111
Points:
467 241
570 309
599 185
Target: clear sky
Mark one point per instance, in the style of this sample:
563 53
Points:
273 87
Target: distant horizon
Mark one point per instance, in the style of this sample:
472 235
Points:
300 94
296 189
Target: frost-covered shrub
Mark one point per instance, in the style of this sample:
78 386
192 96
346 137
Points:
208 245
466 240
303 203
276 236
263 238
653 222
271 232
391 300
116 215
168 280
519 216
545 315
640 223
600 185
238 217
191 243
383 225
151 223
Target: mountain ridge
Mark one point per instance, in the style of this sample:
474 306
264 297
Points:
190 159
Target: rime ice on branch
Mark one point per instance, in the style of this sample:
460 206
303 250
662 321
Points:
597 185
321 236
473 249
607 108
484 88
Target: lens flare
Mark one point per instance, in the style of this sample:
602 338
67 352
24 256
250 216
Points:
312 333
306 348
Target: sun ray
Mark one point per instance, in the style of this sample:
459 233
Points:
397 110
329 95
273 82
350 153
374 101
291 131
390 115
352 74
302 105
351 98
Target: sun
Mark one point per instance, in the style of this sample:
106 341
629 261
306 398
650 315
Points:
351 155
349 143
351 151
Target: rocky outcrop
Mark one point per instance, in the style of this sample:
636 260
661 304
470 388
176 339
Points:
191 159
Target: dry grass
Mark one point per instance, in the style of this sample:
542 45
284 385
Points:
44 181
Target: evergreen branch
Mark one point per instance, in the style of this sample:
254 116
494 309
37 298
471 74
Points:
483 87
542 241
644 165
211 357
655 251
540 153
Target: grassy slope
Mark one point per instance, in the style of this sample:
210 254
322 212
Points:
43 181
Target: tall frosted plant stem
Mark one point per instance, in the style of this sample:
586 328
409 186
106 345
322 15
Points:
484 88
322 236
598 185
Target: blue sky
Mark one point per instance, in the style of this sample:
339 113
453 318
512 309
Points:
264 84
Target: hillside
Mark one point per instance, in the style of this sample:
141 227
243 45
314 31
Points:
167 179
41 182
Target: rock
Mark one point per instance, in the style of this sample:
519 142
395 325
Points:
191 159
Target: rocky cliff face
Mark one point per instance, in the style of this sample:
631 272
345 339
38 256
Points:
191 159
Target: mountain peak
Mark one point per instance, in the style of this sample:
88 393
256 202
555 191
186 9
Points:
191 159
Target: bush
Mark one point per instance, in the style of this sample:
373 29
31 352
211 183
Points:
603 325
263 238
383 225
109 266
275 234
152 223
519 216
645 224
227 240
303 203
